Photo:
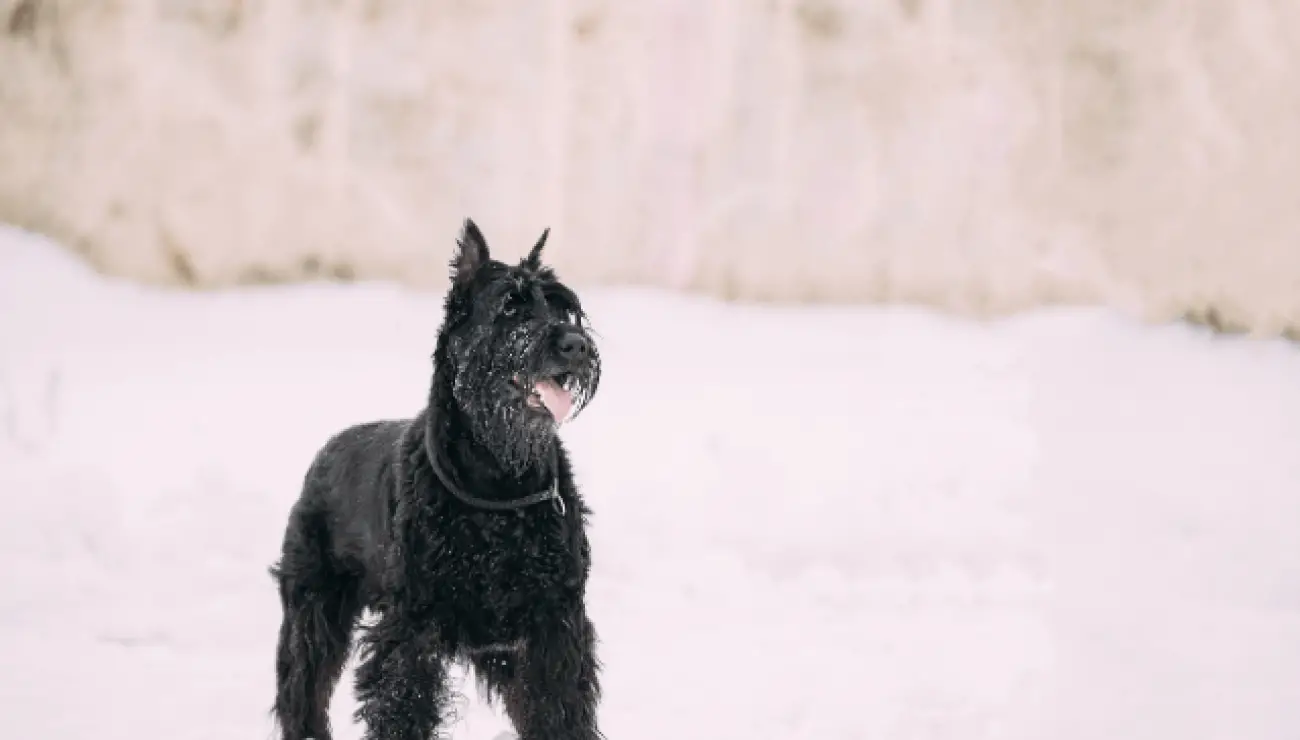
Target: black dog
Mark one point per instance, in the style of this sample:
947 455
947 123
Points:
461 529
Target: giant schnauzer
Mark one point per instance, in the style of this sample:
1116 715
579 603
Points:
461 529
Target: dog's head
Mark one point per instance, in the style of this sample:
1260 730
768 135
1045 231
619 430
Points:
516 349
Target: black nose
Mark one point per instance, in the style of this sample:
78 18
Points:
572 346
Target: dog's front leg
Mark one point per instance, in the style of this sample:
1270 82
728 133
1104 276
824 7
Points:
557 687
401 683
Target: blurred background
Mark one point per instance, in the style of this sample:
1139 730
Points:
951 391
979 156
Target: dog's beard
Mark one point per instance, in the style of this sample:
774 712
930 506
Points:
513 409
517 438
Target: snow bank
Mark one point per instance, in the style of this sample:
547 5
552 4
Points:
981 157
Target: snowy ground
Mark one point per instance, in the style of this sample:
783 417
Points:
859 523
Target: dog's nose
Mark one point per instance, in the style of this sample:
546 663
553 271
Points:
572 346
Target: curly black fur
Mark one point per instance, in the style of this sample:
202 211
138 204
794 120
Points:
375 527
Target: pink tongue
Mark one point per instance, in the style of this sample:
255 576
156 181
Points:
557 400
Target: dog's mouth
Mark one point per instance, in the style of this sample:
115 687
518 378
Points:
552 394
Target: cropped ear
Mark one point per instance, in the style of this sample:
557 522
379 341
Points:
534 259
471 252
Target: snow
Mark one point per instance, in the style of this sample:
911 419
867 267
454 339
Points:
810 523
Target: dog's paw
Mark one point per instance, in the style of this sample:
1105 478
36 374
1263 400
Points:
506 735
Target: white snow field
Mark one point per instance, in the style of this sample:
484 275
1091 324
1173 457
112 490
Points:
809 523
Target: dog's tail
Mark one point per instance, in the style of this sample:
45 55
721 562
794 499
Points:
320 609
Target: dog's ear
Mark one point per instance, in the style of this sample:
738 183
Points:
534 259
471 252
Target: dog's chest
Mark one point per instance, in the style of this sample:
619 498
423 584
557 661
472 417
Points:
505 571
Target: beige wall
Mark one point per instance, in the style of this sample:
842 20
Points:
980 155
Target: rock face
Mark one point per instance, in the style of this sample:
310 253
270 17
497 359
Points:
979 156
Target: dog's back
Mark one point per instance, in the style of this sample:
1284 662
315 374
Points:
350 488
